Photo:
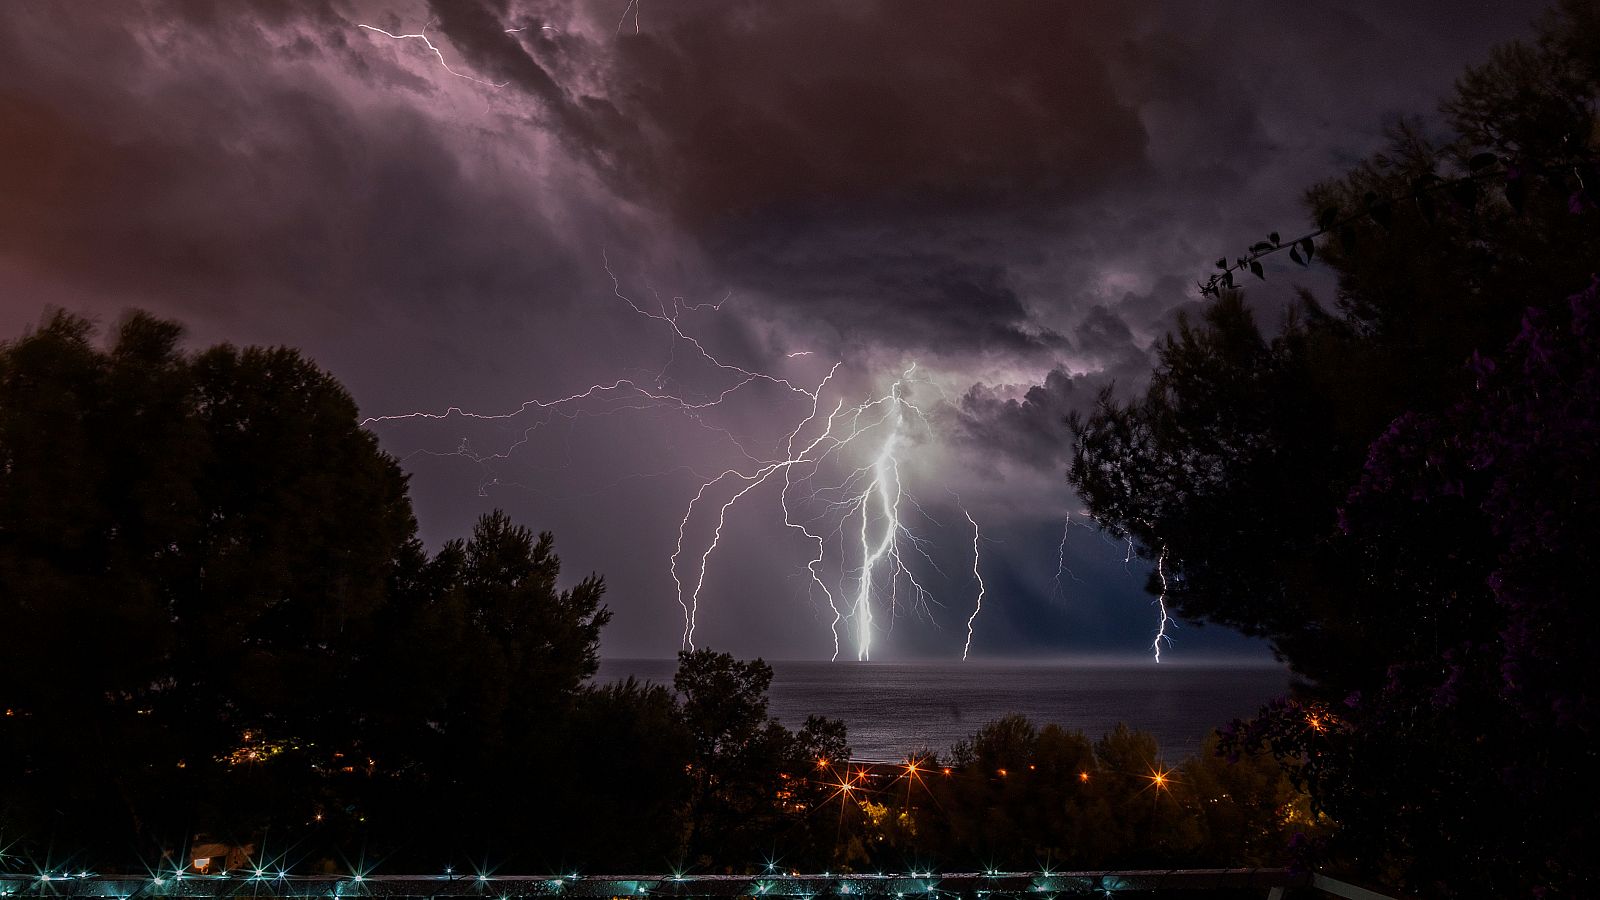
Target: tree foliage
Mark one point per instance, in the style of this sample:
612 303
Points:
222 629
1366 489
754 786
1016 796
220 620
171 571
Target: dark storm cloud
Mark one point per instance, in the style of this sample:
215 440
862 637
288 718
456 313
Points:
858 135
1018 194
1030 428
734 109
264 174
244 175
907 297
1102 330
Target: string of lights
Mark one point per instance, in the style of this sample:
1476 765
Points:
898 885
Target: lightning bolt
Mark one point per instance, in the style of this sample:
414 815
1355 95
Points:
1061 558
423 37
975 574
885 486
1161 602
1064 571
633 6
1165 620
691 606
869 499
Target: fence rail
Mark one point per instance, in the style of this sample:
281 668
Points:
1190 883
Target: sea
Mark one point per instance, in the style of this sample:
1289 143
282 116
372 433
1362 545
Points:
892 709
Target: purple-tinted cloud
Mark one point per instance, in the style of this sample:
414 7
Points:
1015 195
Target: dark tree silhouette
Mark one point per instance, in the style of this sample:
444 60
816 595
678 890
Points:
173 571
753 783
1293 485
219 621
1017 796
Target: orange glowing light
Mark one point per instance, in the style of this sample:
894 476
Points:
947 770
1002 773
1083 776
1160 779
822 763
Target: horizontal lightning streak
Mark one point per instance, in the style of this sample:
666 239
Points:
423 37
875 491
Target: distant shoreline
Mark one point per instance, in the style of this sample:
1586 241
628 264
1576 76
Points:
895 708
1025 663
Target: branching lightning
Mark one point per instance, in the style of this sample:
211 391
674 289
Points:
870 501
633 7
1164 621
967 648
1161 602
837 476
423 37
1061 559
871 498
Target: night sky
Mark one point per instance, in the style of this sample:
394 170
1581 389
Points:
1016 197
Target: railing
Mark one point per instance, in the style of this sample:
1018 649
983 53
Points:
1196 883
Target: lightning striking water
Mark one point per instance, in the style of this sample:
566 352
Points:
837 476
975 574
872 493
1161 602
870 500
1061 558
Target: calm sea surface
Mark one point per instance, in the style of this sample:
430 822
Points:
893 708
